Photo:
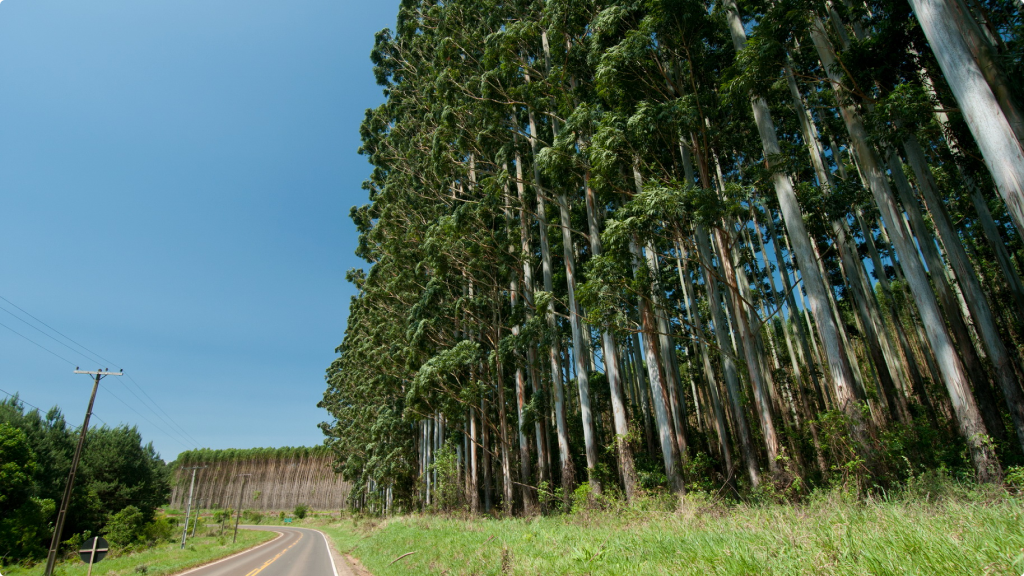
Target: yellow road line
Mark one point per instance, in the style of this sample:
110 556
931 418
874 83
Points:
271 561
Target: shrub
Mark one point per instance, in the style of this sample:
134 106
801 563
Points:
301 510
1015 477
159 530
125 528
252 516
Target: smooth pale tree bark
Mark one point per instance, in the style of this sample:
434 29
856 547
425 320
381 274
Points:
828 329
948 301
981 312
658 382
506 464
529 499
667 354
914 377
554 350
643 388
992 131
985 55
757 381
995 241
954 376
877 339
611 363
525 239
796 317
721 426
579 347
721 326
726 356
473 485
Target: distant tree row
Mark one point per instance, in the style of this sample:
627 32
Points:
119 480
673 244
209 455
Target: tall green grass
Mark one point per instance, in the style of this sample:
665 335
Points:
922 532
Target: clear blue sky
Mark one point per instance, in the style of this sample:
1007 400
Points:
175 181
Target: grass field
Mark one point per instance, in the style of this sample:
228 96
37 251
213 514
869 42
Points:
974 532
158 560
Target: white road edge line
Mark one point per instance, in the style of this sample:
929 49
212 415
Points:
279 536
330 553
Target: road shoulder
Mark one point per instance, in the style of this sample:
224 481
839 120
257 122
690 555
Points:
342 563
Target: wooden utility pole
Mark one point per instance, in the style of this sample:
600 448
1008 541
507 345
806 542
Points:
65 503
188 509
238 511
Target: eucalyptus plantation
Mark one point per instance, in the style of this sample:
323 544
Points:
683 245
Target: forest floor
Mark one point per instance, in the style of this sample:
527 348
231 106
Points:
977 531
159 560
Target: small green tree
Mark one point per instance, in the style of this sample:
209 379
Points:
301 510
126 527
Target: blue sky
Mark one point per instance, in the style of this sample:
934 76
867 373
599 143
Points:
175 181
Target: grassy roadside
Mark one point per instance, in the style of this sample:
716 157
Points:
975 533
159 560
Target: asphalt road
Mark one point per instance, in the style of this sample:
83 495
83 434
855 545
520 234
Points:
298 552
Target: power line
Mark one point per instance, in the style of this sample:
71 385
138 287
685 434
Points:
150 409
36 328
37 344
168 421
20 400
57 331
118 398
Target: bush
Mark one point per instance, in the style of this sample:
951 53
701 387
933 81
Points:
159 530
125 528
301 510
252 516
1015 477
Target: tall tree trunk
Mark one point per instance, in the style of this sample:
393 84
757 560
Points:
721 426
757 381
954 376
658 382
554 350
999 146
579 347
540 433
828 329
611 363
973 293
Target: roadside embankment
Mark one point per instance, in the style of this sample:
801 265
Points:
979 533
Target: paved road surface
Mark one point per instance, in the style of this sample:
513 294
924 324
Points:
299 552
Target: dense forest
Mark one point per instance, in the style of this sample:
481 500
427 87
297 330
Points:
117 475
277 479
741 247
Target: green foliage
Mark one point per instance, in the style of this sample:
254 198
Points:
252 516
125 528
300 511
116 471
209 456
23 517
1015 477
161 529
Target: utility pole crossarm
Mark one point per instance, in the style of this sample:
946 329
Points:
99 372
